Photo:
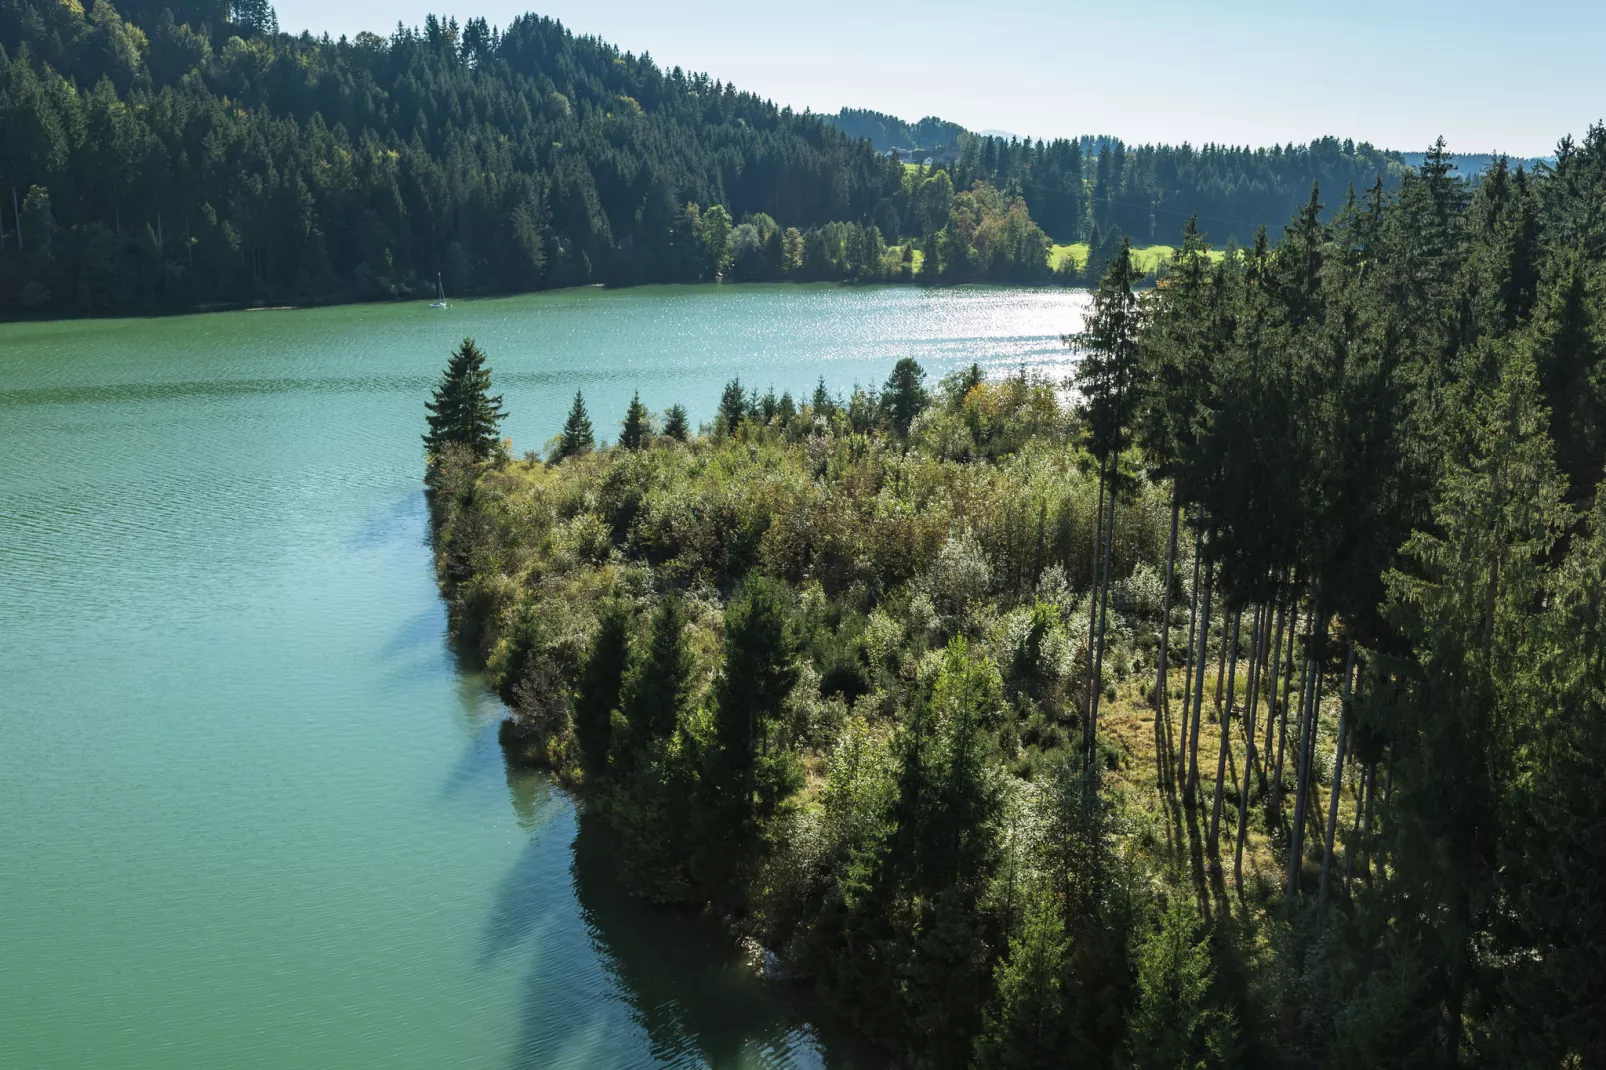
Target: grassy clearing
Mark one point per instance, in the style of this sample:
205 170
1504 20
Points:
1148 258
1127 726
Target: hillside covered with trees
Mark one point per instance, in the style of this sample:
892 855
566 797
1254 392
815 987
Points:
164 156
1097 189
1244 706
888 132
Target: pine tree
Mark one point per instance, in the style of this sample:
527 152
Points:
637 428
463 412
675 423
576 438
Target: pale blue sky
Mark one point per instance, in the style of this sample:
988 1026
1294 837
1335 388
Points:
1488 76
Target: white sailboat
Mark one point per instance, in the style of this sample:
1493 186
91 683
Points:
440 289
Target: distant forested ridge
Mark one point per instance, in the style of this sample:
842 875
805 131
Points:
887 132
1085 188
168 161
158 156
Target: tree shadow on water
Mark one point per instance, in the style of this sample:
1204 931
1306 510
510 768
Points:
614 980
535 893
687 982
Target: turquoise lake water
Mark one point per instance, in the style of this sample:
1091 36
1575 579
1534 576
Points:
252 810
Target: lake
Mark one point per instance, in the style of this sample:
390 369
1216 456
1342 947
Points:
252 810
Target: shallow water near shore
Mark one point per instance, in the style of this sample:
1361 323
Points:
252 810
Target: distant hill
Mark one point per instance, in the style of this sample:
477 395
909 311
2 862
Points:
888 132
1096 188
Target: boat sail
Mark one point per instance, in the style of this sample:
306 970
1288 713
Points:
441 290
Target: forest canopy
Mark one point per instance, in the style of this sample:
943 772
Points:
1239 703
165 156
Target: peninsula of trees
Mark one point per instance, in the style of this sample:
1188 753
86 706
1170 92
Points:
164 156
1246 711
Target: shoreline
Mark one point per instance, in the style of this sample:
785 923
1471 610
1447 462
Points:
220 307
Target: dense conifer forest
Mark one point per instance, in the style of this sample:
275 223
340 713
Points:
1240 703
161 156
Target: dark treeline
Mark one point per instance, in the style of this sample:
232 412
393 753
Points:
1098 189
1248 712
165 156
1093 188
888 132
1385 438
161 155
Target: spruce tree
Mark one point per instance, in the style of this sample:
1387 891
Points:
744 778
821 401
576 437
905 394
658 690
946 849
463 412
637 428
601 681
1028 1023
1465 598
733 407
1569 346
1106 377
675 423
1174 1024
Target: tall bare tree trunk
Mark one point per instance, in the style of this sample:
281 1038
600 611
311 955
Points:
1338 777
1093 614
1187 680
1307 752
1263 627
1162 674
1221 671
1226 727
1271 687
1366 824
1104 609
1198 684
1282 723
16 213
1364 777
1252 676
1299 786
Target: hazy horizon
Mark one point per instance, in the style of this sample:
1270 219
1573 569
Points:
1382 73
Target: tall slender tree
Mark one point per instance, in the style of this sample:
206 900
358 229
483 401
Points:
1105 380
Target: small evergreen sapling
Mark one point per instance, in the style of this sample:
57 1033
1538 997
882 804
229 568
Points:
576 437
675 423
637 428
